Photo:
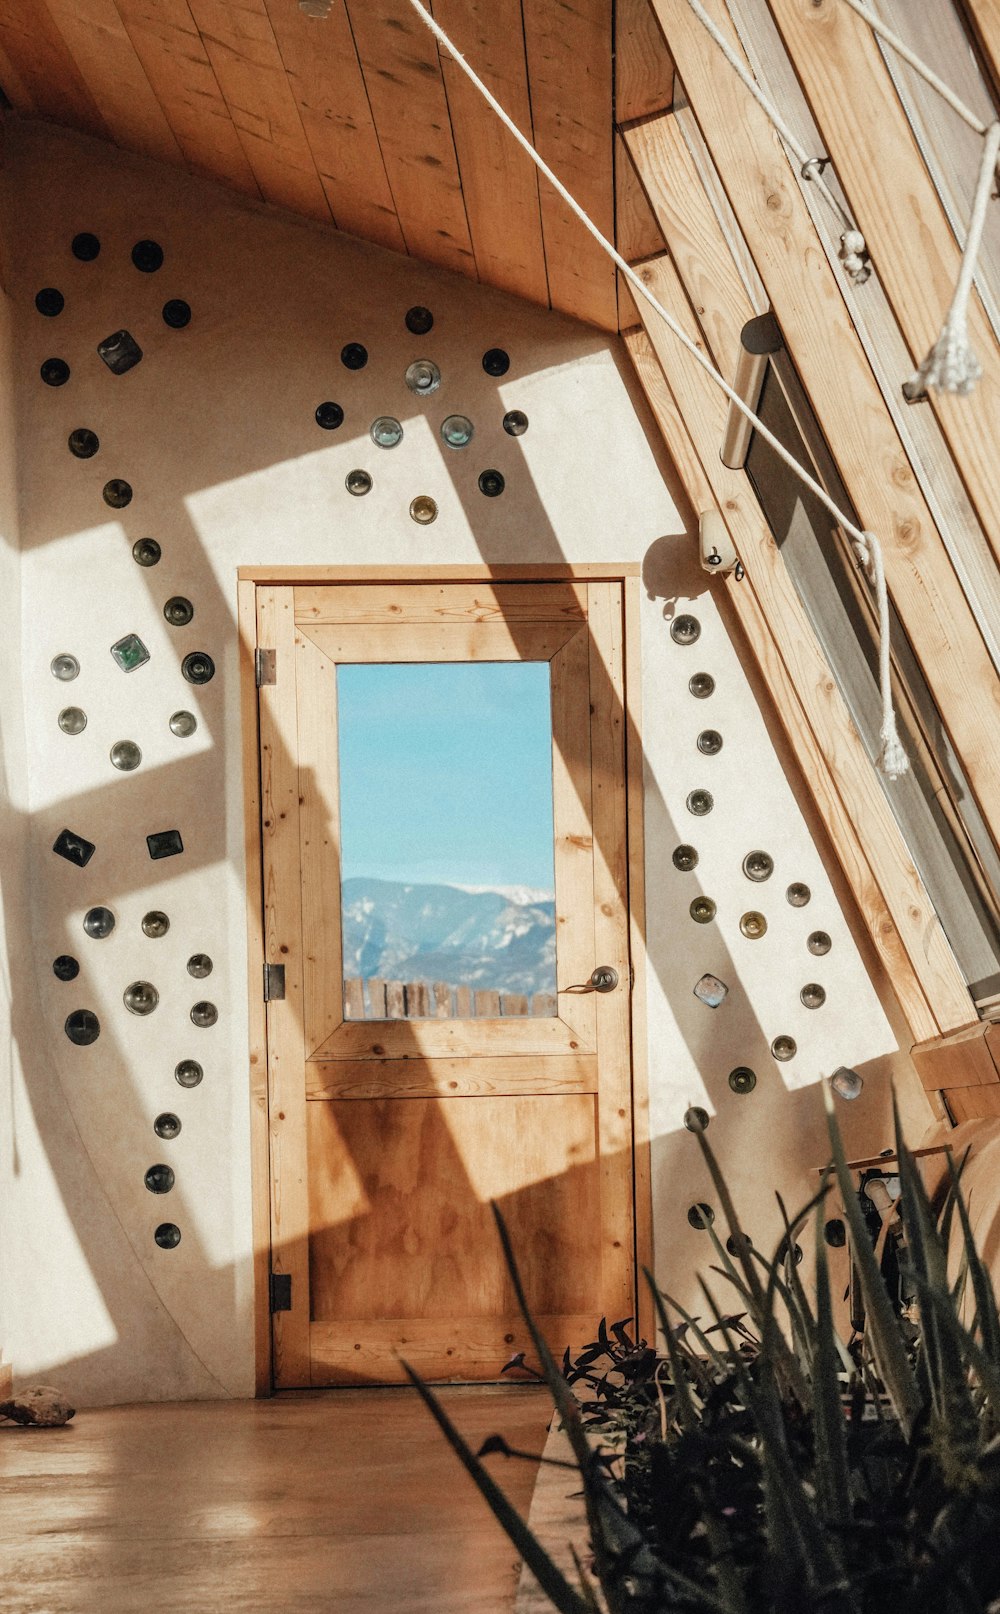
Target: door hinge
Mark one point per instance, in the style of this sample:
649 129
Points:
265 665
281 1291
274 983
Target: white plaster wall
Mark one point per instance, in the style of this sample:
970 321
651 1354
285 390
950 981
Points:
215 431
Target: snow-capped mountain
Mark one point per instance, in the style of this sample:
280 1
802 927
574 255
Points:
498 940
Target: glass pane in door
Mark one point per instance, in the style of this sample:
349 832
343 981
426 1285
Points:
447 882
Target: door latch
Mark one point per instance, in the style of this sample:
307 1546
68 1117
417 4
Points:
604 978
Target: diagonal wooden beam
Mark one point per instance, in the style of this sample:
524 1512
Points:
983 19
890 895
891 195
809 303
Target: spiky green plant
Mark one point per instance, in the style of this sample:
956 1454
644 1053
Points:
755 1465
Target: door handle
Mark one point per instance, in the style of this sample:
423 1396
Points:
603 979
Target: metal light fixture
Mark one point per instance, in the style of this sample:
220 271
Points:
759 338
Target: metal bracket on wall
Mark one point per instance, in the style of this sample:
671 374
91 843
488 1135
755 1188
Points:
265 665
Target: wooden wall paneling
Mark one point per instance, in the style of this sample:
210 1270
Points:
251 75
892 196
326 81
972 1103
637 233
644 73
106 59
166 40
279 785
611 945
45 69
983 20
665 168
260 1159
809 302
628 313
499 182
569 68
966 1059
399 60
834 764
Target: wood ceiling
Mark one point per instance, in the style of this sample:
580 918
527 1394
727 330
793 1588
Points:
356 121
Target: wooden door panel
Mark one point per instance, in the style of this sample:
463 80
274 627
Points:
450 1078
389 1138
400 1193
442 1348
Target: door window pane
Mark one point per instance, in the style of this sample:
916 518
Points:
447 898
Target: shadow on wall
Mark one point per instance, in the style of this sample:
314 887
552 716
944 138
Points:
215 432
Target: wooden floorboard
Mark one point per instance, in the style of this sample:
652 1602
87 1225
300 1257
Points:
346 1500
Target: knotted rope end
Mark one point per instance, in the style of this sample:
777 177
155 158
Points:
853 254
951 365
892 760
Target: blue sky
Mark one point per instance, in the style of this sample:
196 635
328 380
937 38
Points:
446 772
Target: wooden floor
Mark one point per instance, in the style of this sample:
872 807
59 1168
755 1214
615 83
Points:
345 1501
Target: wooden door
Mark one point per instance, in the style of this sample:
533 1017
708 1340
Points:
390 1137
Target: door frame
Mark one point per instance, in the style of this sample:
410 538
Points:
249 578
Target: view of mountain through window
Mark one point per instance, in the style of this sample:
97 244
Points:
446 839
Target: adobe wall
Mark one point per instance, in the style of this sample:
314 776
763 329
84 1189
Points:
214 432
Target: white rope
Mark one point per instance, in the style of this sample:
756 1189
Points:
892 758
928 74
853 253
951 365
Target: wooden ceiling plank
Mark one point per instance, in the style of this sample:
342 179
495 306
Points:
251 75
106 60
840 778
46 69
499 181
329 89
14 85
637 234
569 75
809 302
892 196
628 313
402 73
166 40
644 73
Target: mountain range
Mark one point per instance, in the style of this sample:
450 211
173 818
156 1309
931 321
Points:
500 940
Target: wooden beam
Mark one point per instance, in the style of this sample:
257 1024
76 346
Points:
325 77
166 40
399 60
892 196
644 73
637 234
247 64
499 182
836 768
967 1058
665 168
46 72
808 300
983 20
569 68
